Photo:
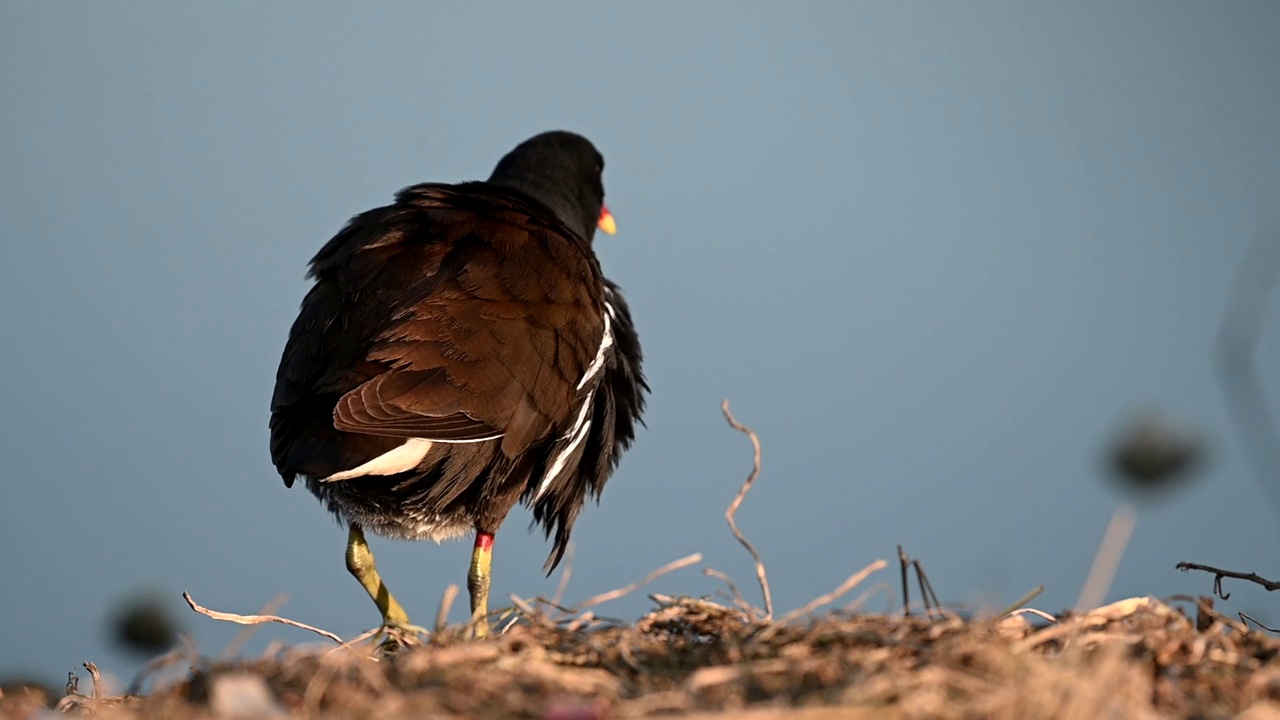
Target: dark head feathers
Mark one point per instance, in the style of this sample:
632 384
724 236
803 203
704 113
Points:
562 170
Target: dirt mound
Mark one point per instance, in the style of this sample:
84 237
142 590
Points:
1135 658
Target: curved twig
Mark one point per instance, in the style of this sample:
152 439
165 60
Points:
850 583
255 619
729 514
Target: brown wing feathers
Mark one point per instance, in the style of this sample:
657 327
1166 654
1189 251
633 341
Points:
488 322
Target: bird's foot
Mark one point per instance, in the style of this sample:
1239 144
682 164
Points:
395 636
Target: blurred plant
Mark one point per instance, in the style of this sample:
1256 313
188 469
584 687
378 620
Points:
144 624
1151 453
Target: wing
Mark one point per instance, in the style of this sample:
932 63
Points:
459 314
617 401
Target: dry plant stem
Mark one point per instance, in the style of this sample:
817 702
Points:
1219 574
729 514
446 603
903 563
927 595
627 590
1204 608
545 603
1107 561
256 619
73 685
242 637
525 607
98 692
865 595
355 641
1032 595
510 624
1247 618
1031 611
666 601
555 613
849 584
752 611
581 621
1096 617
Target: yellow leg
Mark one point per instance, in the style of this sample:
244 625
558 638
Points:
478 581
360 563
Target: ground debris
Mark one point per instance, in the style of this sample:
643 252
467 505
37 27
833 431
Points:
1137 658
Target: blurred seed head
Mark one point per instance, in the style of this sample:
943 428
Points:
144 624
1153 452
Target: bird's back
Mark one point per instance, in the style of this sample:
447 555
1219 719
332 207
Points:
466 324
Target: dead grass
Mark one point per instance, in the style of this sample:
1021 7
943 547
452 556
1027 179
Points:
1137 658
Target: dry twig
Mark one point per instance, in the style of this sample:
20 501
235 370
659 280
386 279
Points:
242 637
904 562
729 514
1017 605
1219 574
930 598
752 611
98 691
525 606
628 589
511 622
355 641
255 619
446 603
858 602
849 584
1031 611
581 621
1246 618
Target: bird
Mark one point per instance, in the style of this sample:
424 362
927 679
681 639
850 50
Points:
461 351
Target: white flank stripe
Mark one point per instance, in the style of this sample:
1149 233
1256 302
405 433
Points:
486 438
606 342
578 434
404 457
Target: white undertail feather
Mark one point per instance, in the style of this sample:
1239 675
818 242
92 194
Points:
606 342
578 432
576 435
397 460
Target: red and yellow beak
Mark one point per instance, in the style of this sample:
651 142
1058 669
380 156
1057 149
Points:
607 223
